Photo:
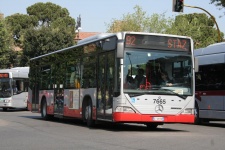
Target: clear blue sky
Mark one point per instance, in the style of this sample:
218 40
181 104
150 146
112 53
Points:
95 14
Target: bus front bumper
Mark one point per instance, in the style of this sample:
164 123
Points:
140 118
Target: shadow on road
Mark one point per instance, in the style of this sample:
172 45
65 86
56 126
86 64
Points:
14 110
220 124
115 127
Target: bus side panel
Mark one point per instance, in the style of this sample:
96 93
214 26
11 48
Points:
72 106
20 100
211 105
73 101
211 102
69 112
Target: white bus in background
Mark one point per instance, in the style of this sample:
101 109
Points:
14 88
210 83
93 80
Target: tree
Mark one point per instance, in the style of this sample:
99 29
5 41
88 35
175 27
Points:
159 23
6 52
198 26
219 2
46 27
17 24
139 21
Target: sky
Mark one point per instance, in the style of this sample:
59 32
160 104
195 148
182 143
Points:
96 14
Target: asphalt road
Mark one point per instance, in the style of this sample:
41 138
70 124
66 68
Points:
23 130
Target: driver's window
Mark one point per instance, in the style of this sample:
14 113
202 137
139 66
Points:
19 86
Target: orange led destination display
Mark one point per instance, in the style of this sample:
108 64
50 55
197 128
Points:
4 75
157 42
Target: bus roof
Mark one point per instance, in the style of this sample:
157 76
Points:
212 54
94 37
211 49
20 72
120 35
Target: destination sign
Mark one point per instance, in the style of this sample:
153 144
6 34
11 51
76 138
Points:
157 42
4 75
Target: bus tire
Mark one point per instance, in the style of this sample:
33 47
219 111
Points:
88 114
4 109
198 120
44 114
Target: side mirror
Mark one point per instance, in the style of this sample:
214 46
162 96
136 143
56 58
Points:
120 49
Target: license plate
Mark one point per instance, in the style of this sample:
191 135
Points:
158 118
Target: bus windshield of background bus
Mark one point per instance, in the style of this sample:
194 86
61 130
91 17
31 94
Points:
5 88
158 71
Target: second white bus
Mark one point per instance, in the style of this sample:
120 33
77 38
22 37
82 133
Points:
14 88
210 83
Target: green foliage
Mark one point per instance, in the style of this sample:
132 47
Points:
47 12
198 26
6 52
43 41
159 23
139 21
46 27
219 2
17 24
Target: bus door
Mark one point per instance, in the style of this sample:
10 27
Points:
59 89
105 85
58 99
34 86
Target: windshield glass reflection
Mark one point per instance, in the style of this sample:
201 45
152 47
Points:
158 72
5 88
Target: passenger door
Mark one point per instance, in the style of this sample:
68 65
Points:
58 86
105 87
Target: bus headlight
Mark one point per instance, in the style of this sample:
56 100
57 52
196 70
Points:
188 111
124 109
6 101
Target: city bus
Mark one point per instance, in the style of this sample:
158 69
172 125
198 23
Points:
96 80
210 83
14 88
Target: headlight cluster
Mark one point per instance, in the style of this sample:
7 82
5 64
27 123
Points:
124 109
188 111
7 101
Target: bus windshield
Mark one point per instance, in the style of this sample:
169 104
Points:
5 88
157 71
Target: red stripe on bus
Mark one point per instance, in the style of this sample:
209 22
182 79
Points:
50 110
29 106
130 117
72 112
199 94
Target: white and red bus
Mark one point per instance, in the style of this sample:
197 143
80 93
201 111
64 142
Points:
210 83
95 80
14 88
